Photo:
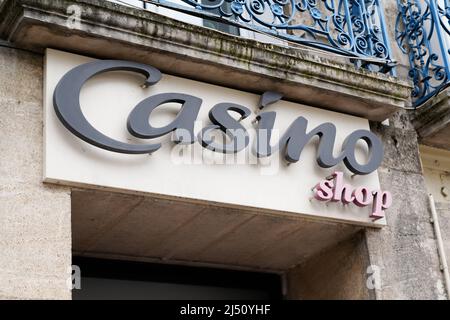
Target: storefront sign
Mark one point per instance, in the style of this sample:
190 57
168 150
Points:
67 107
179 138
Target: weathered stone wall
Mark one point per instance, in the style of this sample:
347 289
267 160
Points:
436 166
406 249
35 233
336 273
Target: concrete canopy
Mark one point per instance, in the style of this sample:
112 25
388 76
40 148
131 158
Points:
114 225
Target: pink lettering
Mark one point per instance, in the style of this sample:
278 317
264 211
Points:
337 191
382 201
362 197
342 192
324 191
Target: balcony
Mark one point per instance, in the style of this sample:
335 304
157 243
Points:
350 28
423 34
328 54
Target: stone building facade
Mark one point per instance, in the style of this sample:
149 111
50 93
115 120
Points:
44 224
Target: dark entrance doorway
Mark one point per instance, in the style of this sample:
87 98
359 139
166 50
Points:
118 279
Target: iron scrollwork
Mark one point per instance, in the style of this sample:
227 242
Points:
422 32
352 28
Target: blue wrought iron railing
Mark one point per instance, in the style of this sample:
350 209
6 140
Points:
423 33
352 28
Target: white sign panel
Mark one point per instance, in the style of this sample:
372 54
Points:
193 172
